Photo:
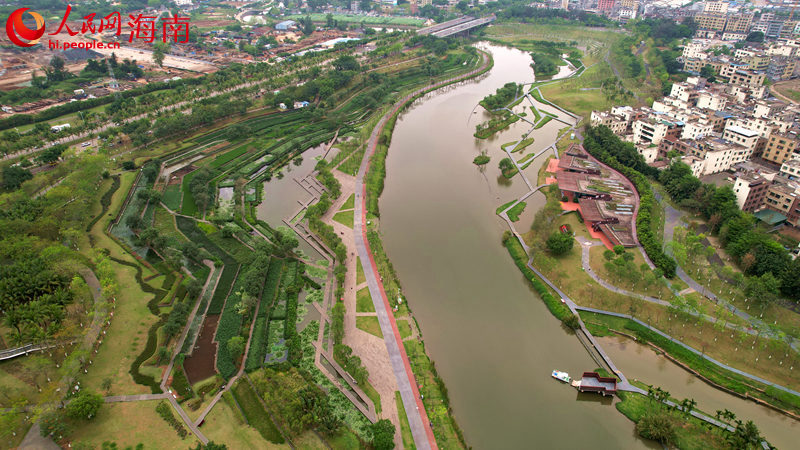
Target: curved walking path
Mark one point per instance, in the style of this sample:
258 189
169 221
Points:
407 385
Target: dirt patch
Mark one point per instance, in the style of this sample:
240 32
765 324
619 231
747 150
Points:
177 176
200 365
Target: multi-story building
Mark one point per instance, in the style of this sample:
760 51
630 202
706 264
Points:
739 23
783 196
711 21
606 5
781 147
751 191
781 67
746 138
715 7
791 168
651 130
747 77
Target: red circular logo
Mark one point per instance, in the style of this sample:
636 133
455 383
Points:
20 34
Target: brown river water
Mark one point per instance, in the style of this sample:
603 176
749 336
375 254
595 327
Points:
492 339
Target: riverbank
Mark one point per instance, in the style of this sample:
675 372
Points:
563 268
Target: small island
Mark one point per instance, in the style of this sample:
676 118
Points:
481 160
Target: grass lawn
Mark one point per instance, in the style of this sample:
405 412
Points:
405 429
513 213
172 197
360 277
310 441
364 301
350 203
125 338
404 328
374 396
655 289
224 425
689 432
345 218
129 424
344 439
369 324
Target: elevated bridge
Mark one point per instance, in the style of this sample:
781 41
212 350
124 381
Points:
452 27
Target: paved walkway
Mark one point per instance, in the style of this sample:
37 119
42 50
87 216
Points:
409 392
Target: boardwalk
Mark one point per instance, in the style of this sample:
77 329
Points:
415 410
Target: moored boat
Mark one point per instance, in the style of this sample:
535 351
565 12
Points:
561 376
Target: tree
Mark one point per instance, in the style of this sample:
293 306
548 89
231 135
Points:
236 346
14 176
609 255
383 435
560 243
158 57
708 73
52 424
345 62
506 165
657 426
755 36
84 405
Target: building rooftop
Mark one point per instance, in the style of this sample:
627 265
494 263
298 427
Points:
742 131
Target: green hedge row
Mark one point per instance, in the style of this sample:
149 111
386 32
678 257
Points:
229 326
164 410
258 345
105 201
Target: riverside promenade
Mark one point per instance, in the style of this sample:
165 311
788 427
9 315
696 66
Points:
421 428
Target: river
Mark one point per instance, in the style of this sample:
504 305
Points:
493 341
640 362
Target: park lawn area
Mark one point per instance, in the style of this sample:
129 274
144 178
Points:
513 213
364 301
309 441
255 413
576 101
374 396
125 338
172 197
520 145
404 328
344 439
695 332
345 218
129 424
350 203
360 277
224 425
657 289
405 429
370 325
689 432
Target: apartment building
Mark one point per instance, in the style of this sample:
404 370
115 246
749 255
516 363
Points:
751 191
715 7
739 23
781 67
746 138
781 147
653 129
791 168
783 196
711 21
746 77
